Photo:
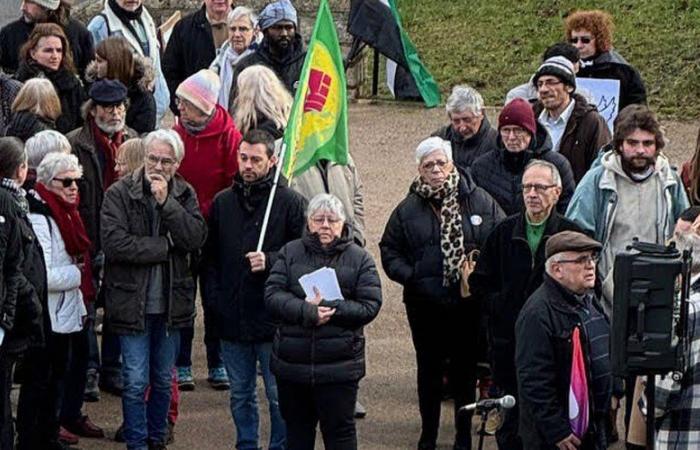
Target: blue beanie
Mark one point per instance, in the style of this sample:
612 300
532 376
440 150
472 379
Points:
276 12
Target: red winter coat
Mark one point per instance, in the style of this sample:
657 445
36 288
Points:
210 157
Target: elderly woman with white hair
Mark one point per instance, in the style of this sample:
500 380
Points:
427 245
40 145
469 131
243 38
151 226
318 352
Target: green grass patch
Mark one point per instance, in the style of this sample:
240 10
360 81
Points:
495 45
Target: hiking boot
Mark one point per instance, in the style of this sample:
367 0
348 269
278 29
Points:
185 380
218 379
92 390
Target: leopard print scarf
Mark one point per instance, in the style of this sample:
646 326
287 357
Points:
451 232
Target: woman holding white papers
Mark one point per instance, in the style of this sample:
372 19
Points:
318 352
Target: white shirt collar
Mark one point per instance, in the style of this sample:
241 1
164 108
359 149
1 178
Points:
563 117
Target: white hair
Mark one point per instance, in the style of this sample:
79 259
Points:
169 137
464 98
242 11
326 202
556 178
43 143
431 144
55 163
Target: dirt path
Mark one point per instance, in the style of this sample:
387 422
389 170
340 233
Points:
382 138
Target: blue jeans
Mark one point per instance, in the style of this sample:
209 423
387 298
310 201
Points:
147 358
240 359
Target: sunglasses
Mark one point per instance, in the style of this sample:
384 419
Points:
583 39
68 182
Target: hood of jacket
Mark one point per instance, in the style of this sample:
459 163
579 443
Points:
540 143
612 162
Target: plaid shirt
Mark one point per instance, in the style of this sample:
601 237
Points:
678 401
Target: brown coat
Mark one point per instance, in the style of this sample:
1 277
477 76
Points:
585 134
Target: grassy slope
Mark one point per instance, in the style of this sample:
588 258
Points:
495 45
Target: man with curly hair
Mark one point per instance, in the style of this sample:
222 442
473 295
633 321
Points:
592 33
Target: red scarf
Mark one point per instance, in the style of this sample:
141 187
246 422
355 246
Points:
74 236
109 149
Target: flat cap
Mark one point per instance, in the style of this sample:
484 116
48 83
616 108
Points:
107 92
570 241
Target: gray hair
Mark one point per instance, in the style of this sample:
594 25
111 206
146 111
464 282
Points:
242 11
169 137
556 178
43 143
326 202
55 163
689 240
429 145
464 98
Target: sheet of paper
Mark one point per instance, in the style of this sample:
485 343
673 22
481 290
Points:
323 279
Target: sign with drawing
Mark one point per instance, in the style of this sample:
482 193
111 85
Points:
606 95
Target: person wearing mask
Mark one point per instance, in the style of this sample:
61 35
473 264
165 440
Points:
36 12
114 60
242 26
36 108
46 54
193 44
233 280
318 351
131 20
281 49
63 238
151 226
425 246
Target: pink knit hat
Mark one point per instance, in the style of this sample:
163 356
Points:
201 89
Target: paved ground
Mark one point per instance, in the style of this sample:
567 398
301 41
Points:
382 139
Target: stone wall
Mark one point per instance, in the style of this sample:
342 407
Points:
162 9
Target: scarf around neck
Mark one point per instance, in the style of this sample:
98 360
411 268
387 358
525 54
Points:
109 149
73 233
451 232
18 194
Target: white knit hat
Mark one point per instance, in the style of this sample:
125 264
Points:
201 89
51 5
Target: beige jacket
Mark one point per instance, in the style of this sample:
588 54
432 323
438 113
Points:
343 182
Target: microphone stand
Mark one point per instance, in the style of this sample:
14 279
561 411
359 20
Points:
484 413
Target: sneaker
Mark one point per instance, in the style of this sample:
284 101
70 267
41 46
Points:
360 411
218 379
92 390
66 437
185 381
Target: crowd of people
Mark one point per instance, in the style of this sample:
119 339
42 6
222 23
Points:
505 243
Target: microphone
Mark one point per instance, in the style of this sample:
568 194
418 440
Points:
505 402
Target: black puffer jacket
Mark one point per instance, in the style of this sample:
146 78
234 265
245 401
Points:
543 359
612 65
410 245
25 124
466 151
233 293
190 49
68 87
15 34
506 274
334 352
500 172
288 69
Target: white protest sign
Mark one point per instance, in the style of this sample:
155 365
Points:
606 95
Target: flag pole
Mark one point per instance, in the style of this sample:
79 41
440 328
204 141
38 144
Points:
273 191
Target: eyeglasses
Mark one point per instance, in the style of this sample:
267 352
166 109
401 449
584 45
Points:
583 39
430 165
581 260
517 131
539 188
548 83
321 220
68 182
165 162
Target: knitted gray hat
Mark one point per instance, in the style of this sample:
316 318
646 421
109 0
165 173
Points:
51 5
557 66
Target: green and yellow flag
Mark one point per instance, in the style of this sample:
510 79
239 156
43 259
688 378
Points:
318 123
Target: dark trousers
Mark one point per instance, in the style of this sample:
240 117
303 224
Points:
39 396
93 347
212 343
304 406
7 429
76 376
444 332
